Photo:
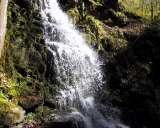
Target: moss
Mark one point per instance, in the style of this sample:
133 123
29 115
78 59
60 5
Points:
98 34
96 2
9 102
116 39
8 87
25 50
23 60
93 30
141 8
31 121
96 26
74 13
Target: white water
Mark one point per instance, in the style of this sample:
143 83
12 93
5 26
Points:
77 67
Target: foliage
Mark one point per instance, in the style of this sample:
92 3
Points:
22 61
149 9
116 39
8 88
25 51
9 102
74 12
96 2
95 29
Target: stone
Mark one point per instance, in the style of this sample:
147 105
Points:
30 102
51 103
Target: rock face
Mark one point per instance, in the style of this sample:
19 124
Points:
3 22
111 4
59 121
24 59
59 125
133 79
11 116
29 103
16 115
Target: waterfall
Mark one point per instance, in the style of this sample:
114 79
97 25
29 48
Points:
77 66
3 22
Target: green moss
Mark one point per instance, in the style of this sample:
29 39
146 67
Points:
142 8
96 26
116 39
23 60
74 13
9 101
96 2
95 30
8 87
25 51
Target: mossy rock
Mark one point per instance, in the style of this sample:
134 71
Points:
10 113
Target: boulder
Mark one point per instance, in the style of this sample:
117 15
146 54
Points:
63 120
30 102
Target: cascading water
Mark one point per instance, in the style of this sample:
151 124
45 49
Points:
77 67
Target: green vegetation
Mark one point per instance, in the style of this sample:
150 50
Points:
149 9
96 2
10 112
22 66
93 27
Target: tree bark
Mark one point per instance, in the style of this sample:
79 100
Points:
3 22
152 11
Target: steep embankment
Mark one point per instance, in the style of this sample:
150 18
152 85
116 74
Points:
133 78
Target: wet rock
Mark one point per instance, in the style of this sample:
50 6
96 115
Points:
111 4
21 70
17 115
23 3
50 103
57 121
59 125
63 121
134 79
11 116
30 102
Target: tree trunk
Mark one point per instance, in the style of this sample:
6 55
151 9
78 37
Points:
152 11
3 22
